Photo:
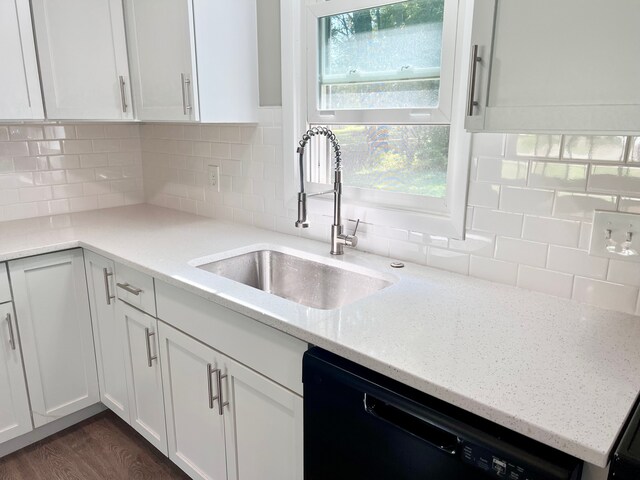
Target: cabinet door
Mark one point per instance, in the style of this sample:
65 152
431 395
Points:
20 96
143 373
107 334
195 427
83 59
264 426
161 50
567 66
52 308
15 416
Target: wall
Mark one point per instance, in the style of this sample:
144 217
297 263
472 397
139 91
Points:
527 225
48 169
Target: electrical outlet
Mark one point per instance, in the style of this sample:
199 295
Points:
214 177
616 235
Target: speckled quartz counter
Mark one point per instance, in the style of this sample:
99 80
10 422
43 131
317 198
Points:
562 373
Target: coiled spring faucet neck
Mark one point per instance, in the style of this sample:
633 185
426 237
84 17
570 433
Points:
338 239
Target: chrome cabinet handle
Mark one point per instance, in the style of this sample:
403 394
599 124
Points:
12 339
107 291
473 70
123 96
221 402
210 372
186 95
130 288
148 334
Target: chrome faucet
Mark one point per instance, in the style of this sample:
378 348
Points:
338 239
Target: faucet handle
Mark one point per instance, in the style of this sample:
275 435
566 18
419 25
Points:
355 230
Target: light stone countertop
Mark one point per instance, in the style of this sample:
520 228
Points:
562 373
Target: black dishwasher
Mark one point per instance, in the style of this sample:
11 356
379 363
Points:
360 425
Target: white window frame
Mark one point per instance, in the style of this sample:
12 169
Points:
438 216
400 116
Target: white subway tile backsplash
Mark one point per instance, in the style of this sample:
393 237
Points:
546 281
580 206
629 204
50 169
565 176
520 251
483 194
476 243
494 270
503 171
528 214
606 295
627 273
614 179
498 222
25 132
551 230
526 200
4 134
585 236
578 262
446 260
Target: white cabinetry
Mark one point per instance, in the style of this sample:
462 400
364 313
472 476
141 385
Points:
50 293
20 96
223 419
15 416
195 429
5 290
143 374
83 59
160 34
194 59
552 66
107 334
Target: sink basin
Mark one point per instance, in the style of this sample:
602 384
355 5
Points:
307 282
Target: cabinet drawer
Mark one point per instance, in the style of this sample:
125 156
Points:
5 292
136 289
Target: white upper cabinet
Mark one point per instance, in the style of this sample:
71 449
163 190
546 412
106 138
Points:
20 96
550 66
194 60
160 34
83 59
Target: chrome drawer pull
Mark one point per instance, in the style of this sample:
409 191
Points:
148 334
130 288
12 339
473 70
123 96
107 291
221 402
210 372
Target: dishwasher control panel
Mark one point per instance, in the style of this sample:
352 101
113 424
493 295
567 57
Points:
495 466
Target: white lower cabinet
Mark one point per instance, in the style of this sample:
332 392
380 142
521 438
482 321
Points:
195 428
52 309
225 421
143 374
107 333
15 416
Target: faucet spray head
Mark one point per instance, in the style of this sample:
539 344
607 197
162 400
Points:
302 221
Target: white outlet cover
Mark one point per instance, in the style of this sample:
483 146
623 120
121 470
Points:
214 177
621 225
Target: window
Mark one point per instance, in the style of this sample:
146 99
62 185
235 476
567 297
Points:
380 74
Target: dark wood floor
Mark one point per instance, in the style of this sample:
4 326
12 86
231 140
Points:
102 447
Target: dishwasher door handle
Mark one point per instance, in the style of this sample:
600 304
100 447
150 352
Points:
399 417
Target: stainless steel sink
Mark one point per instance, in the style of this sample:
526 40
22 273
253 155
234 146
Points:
298 279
